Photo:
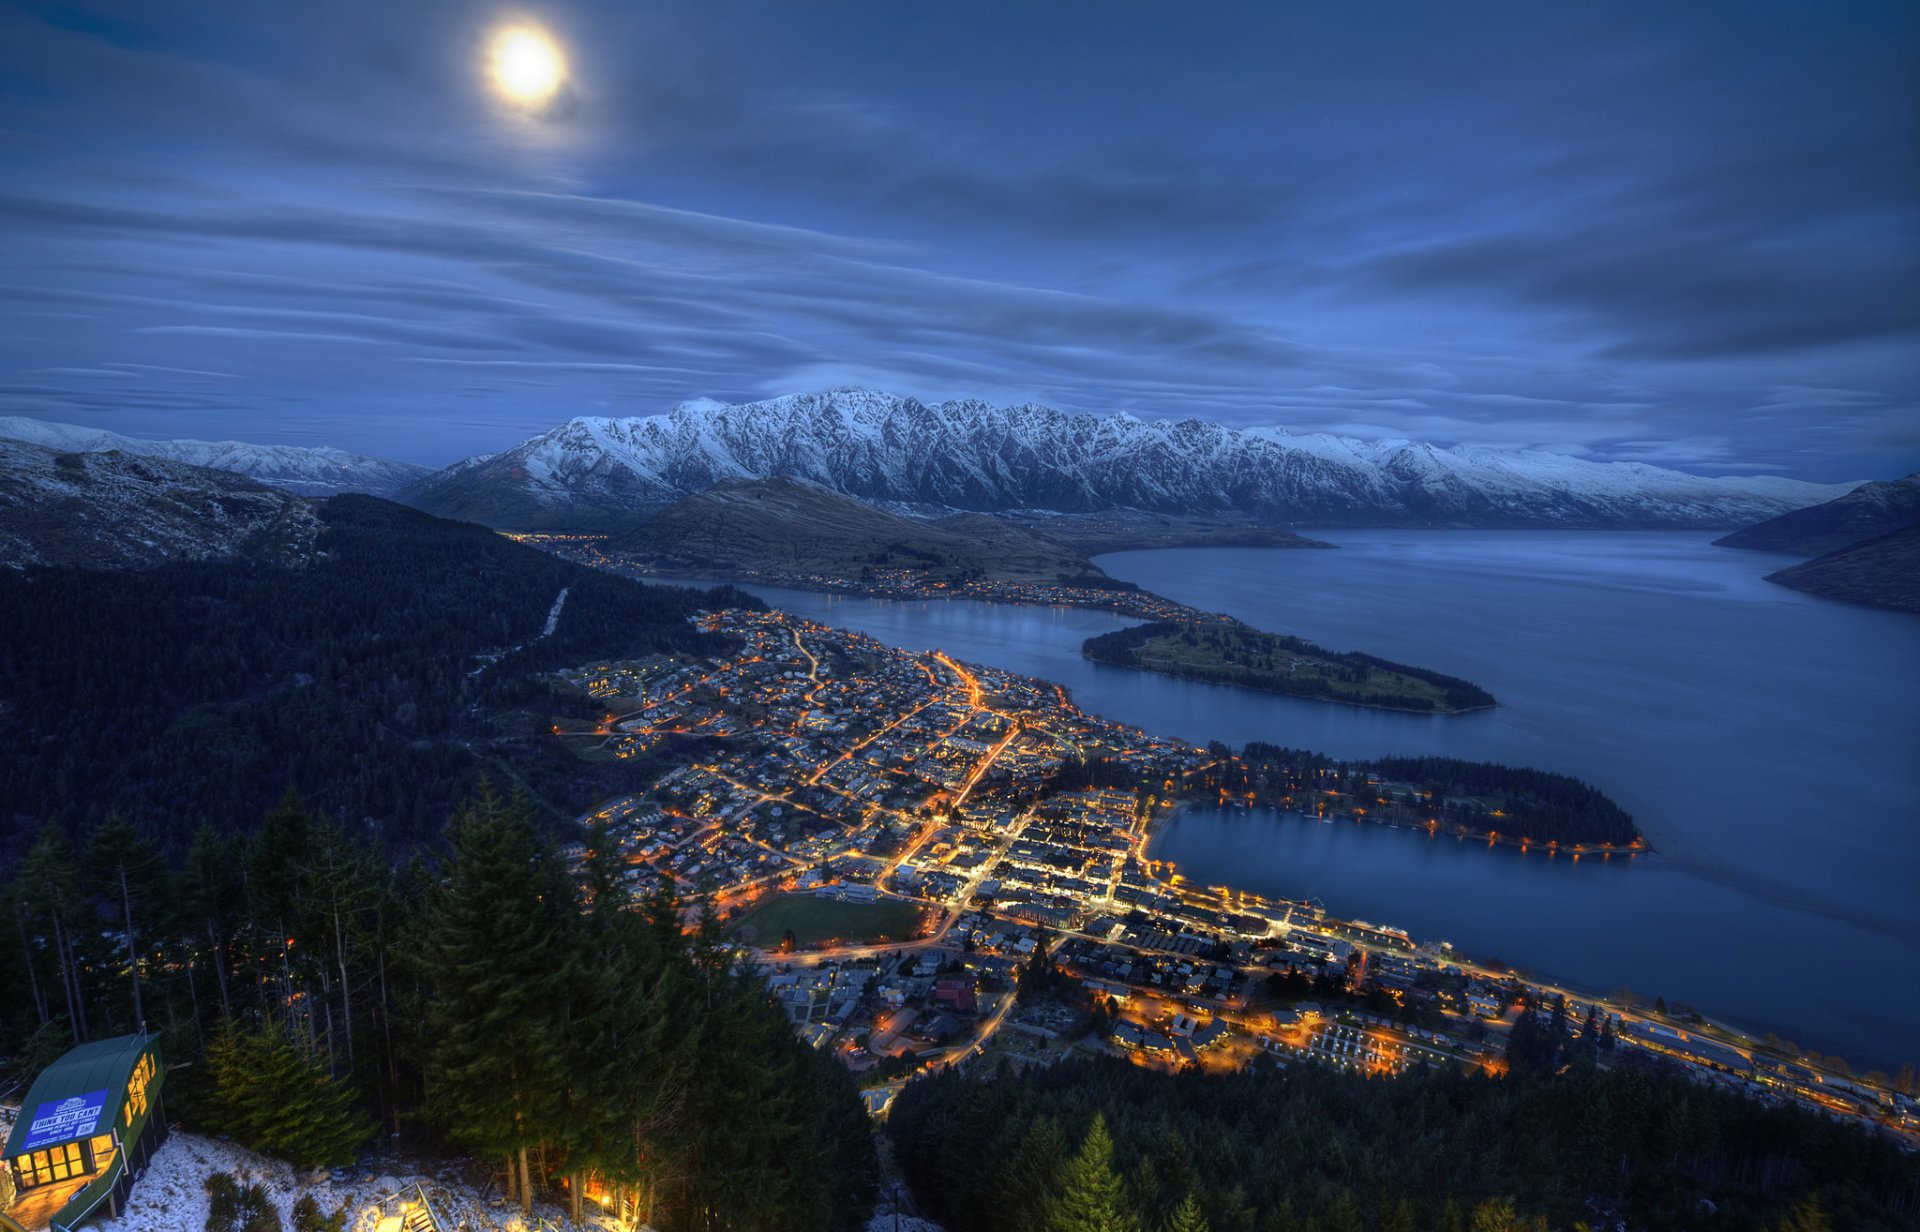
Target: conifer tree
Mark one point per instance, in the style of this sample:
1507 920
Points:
1187 1217
49 894
271 1095
125 871
1807 1215
1090 1198
497 960
207 899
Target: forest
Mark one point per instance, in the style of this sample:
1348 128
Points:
1238 654
1480 797
1104 1144
1535 805
199 692
484 997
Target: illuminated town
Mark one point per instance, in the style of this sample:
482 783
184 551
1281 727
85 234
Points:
903 842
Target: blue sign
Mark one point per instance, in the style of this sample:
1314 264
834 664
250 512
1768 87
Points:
75 1117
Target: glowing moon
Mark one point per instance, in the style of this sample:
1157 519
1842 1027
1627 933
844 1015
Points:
527 66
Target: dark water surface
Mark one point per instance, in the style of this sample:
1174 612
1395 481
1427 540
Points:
1768 744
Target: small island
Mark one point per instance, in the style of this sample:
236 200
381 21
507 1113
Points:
1238 654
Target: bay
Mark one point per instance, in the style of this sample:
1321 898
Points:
1764 740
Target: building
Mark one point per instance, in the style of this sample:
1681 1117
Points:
89 1124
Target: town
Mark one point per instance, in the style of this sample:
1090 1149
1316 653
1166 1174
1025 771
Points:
933 862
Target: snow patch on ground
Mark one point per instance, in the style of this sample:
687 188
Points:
172 1196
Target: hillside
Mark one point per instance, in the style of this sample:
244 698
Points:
308 470
608 474
1881 572
118 511
1870 510
1127 530
378 678
1309 1146
786 527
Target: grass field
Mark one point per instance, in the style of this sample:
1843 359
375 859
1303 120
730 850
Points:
814 920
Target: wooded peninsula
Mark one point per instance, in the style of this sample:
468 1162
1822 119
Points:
1237 654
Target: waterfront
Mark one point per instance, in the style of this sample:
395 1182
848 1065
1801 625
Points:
1762 739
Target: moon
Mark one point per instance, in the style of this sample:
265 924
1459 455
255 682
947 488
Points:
527 66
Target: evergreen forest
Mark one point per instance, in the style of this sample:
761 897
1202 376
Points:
378 678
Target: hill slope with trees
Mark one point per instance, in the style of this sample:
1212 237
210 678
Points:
1100 1143
1241 655
1881 572
487 997
376 677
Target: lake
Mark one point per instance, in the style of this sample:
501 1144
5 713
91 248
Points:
1765 741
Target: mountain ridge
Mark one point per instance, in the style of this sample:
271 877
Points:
608 473
1867 512
309 470
115 511
1882 572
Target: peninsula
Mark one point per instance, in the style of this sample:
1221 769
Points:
1228 652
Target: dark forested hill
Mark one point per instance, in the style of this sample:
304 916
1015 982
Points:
1879 572
119 511
786 527
1252 658
1313 1147
1870 510
202 690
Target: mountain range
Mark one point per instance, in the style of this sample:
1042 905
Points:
309 470
901 453
116 511
1027 463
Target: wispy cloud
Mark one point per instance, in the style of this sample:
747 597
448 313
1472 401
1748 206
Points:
1685 235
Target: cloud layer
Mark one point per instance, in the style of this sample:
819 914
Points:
1687 235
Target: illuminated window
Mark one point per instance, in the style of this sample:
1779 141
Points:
60 1163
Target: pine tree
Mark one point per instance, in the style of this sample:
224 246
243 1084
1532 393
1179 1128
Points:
1500 1215
49 896
1036 978
1808 1215
1090 1198
269 1094
207 899
126 871
497 958
1187 1217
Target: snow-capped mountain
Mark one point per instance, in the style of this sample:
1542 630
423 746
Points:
115 511
310 471
895 451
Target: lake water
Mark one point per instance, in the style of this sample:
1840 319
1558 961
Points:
1767 743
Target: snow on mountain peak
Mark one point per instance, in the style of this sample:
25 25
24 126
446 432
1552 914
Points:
970 455
308 470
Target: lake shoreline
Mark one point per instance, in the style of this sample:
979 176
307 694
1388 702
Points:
1488 838
1202 678
1627 660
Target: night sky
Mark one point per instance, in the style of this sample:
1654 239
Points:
1686 234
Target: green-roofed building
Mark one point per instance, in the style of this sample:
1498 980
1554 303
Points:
89 1125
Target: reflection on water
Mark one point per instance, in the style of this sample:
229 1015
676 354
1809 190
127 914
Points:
1763 740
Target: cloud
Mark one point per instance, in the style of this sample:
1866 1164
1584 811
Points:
1683 234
